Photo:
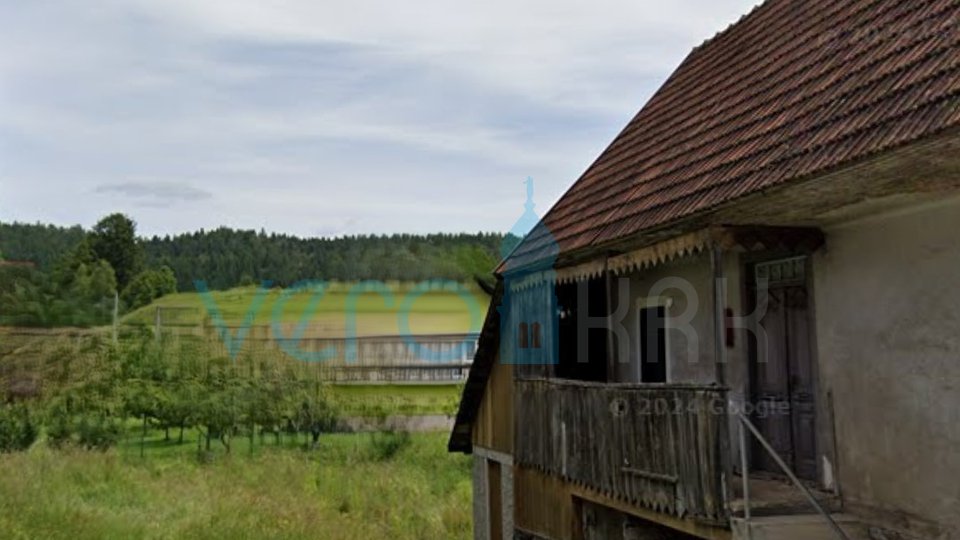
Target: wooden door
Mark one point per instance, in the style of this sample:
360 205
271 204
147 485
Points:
783 384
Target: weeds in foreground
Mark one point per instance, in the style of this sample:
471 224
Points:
341 490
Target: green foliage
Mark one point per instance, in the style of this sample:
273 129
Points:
315 413
114 239
26 297
149 285
79 288
93 282
87 428
98 432
60 428
42 244
78 292
65 269
227 258
91 413
18 428
385 445
79 272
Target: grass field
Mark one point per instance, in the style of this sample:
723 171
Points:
341 490
403 399
429 312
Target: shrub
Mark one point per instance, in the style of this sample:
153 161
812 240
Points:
148 286
97 432
91 430
18 430
385 445
59 430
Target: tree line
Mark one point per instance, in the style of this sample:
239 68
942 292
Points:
226 257
77 271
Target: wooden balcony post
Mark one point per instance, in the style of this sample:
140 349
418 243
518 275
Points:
724 454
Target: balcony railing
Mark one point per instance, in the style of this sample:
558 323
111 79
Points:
652 445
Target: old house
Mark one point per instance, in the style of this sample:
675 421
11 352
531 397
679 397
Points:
756 324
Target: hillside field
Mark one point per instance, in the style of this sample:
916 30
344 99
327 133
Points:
443 311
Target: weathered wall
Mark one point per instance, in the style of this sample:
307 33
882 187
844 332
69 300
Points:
547 507
888 327
493 498
493 428
544 505
493 442
687 283
481 525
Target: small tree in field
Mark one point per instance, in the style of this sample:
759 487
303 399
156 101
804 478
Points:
316 413
180 408
142 400
18 427
222 409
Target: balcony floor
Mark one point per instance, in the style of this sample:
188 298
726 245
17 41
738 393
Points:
773 496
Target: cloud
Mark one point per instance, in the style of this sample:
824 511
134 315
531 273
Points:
156 194
304 116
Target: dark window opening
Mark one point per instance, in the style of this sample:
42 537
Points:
523 338
653 344
535 335
593 365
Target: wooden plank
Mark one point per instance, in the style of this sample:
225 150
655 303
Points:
652 445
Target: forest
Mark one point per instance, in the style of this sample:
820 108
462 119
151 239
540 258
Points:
226 257
71 274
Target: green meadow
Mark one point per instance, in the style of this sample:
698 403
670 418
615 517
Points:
348 487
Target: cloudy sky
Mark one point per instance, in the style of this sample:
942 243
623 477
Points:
315 117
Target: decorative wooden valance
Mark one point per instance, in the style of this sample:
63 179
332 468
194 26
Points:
742 238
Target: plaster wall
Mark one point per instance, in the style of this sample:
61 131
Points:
888 330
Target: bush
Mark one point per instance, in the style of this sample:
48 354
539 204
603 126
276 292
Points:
385 445
149 285
96 432
90 430
18 430
59 430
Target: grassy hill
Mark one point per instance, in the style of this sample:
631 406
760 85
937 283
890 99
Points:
438 311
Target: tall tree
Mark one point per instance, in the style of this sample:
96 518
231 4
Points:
114 239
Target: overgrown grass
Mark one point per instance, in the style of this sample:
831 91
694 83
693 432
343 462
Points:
342 490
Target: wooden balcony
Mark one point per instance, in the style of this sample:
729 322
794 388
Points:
651 445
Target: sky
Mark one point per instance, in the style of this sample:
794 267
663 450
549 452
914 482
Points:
321 118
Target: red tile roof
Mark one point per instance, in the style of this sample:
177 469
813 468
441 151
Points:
794 88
